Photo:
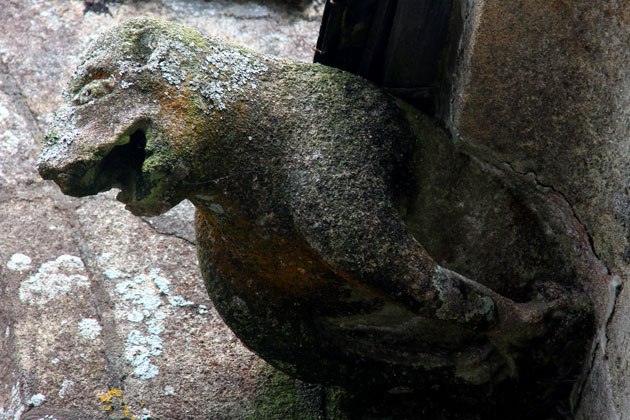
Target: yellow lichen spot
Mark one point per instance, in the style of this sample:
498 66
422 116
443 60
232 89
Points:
111 393
118 404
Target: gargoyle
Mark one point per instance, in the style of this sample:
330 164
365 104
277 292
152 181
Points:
301 176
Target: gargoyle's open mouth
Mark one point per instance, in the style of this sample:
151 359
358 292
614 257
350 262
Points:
124 162
122 166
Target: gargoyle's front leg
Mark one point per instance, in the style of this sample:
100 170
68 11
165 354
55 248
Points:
344 210
343 207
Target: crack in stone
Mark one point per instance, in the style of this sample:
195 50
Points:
532 175
169 234
12 88
101 302
615 287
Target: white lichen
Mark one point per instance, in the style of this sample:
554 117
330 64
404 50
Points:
56 149
219 73
142 295
112 273
36 400
54 279
142 303
138 351
89 328
135 316
162 283
145 414
16 408
179 301
19 262
227 73
140 292
65 386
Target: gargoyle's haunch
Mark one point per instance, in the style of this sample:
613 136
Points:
296 171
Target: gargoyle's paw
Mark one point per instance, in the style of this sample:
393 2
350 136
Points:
464 301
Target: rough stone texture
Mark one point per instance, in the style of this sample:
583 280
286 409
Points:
297 171
514 101
95 300
545 88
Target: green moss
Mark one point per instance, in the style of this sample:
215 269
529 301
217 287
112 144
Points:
136 33
284 398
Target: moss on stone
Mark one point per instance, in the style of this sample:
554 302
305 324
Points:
284 398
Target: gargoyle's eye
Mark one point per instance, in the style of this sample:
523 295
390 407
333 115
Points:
94 90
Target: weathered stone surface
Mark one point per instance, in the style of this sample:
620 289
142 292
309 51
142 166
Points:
544 87
85 311
507 67
299 174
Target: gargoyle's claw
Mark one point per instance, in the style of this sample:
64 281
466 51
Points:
464 301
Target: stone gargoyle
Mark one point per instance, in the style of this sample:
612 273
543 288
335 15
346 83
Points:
323 206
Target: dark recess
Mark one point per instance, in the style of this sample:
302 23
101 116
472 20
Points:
397 44
124 163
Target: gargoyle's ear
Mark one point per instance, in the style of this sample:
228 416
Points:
140 37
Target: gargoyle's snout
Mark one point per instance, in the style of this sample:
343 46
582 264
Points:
88 173
57 163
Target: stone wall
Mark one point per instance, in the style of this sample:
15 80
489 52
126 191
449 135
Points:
101 311
543 89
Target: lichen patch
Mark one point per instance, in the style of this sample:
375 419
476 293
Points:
16 407
19 262
115 404
54 279
145 301
139 350
89 328
66 386
36 400
56 147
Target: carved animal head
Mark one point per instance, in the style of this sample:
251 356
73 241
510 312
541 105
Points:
136 112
